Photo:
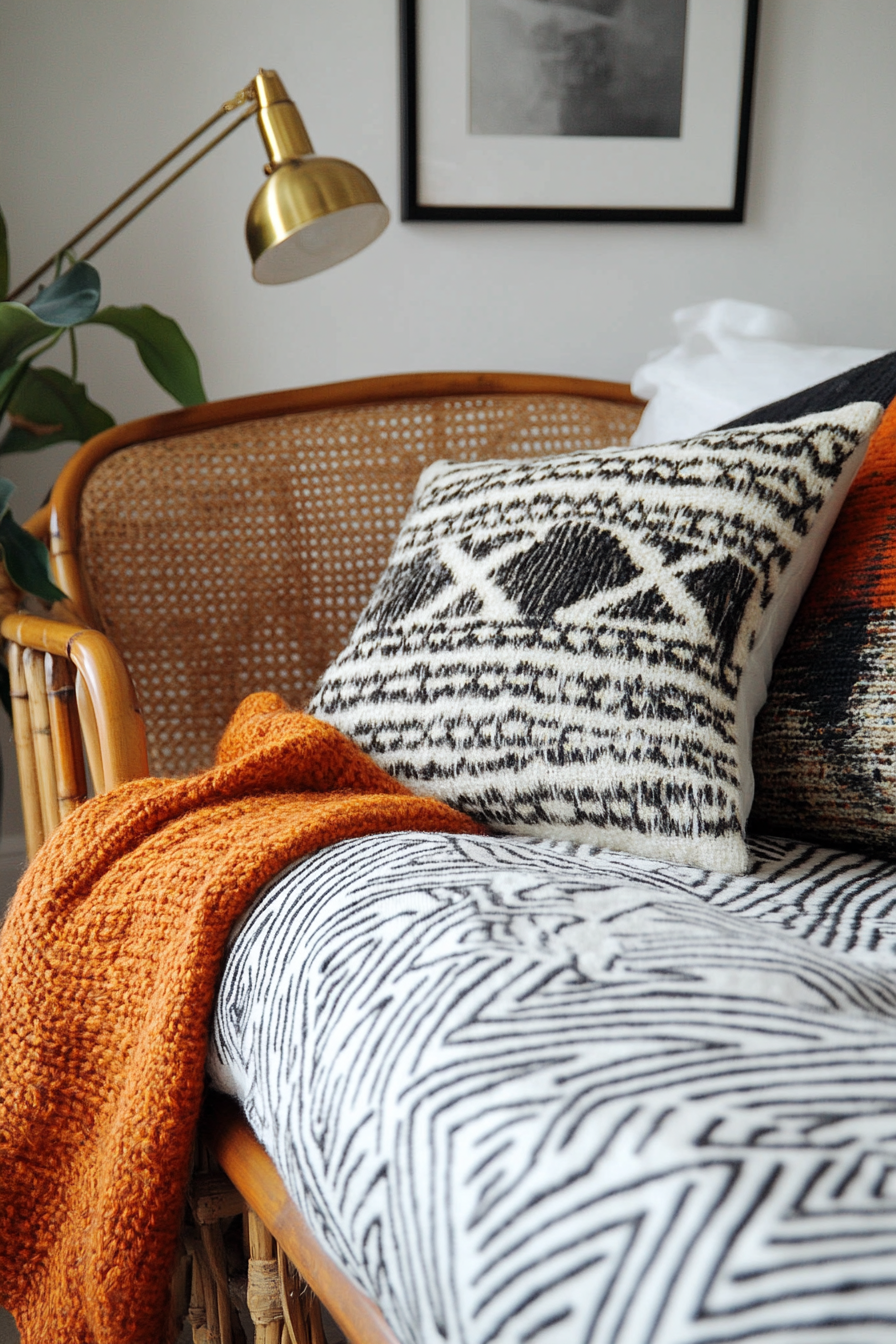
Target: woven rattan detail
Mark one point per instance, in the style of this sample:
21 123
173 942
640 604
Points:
238 559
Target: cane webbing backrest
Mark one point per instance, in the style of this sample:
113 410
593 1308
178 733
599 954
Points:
238 558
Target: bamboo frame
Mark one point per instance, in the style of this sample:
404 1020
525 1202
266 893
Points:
78 700
301 1309
119 721
68 753
29 785
216 1258
180 1293
229 1137
263 1297
51 781
65 498
39 712
90 734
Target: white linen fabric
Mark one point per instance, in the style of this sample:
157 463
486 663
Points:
730 358
577 647
528 1091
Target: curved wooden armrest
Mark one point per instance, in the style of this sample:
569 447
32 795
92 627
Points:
39 523
227 1133
118 718
71 696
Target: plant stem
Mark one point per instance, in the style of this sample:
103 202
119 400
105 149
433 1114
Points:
74 349
23 368
10 392
42 349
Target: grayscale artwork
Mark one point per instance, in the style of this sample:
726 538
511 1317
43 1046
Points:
577 67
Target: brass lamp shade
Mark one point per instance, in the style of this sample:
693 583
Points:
311 214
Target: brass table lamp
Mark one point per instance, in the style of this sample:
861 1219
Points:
311 213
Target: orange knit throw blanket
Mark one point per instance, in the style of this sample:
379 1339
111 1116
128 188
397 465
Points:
108 963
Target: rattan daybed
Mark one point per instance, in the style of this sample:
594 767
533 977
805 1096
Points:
229 549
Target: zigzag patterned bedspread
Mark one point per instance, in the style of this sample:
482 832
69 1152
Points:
526 1091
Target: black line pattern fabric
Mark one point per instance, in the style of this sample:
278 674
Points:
525 1090
577 647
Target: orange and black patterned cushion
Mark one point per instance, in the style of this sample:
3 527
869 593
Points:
824 752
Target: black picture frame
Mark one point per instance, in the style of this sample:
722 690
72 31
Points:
413 208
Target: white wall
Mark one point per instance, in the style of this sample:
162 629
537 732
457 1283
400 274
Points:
95 90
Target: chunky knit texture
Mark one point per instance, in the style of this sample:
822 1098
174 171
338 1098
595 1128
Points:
108 963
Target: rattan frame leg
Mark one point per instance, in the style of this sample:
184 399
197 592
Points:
39 711
25 755
65 735
301 1309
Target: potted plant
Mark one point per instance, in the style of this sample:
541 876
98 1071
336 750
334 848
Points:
42 405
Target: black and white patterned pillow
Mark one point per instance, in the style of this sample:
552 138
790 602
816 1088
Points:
577 647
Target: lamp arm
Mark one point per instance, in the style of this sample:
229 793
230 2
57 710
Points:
246 95
163 186
311 213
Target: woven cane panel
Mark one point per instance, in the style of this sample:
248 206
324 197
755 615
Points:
238 559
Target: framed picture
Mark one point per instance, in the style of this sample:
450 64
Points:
576 109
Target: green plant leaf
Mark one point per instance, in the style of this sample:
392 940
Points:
164 349
17 439
27 561
9 381
4 258
7 490
71 298
55 409
8 376
19 328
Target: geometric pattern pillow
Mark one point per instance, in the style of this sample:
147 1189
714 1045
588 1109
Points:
825 748
577 647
